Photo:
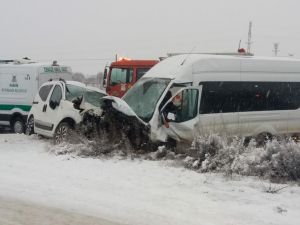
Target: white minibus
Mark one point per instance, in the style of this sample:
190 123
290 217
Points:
192 94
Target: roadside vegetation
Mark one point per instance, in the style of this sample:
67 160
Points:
277 160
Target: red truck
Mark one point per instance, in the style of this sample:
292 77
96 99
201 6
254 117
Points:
123 74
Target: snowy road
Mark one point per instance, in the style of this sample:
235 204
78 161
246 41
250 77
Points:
133 191
16 212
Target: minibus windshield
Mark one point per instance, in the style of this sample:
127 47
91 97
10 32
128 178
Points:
144 95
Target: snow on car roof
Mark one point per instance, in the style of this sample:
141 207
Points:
182 67
79 84
76 83
96 89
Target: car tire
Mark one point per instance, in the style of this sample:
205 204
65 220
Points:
29 130
18 125
62 132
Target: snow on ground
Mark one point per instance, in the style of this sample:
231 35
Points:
16 212
136 191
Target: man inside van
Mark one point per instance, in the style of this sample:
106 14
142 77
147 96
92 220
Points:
173 108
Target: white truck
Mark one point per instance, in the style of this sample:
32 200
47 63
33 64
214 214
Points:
19 83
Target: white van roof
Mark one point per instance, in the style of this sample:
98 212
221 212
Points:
182 67
41 67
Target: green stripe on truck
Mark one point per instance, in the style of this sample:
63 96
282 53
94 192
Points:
25 108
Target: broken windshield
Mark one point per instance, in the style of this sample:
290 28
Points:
144 95
90 96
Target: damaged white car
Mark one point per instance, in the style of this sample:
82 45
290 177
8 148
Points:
60 106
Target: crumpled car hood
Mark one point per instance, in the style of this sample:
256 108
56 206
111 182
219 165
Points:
87 107
121 106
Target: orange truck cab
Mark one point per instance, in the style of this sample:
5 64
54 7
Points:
123 74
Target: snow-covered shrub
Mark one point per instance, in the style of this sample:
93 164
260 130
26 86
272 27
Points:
216 153
277 160
284 160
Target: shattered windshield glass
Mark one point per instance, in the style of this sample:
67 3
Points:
92 97
144 95
73 91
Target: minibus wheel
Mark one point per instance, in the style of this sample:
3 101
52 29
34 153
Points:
17 125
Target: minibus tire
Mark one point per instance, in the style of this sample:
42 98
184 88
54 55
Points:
18 125
171 144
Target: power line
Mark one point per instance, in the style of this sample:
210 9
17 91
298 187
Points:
78 59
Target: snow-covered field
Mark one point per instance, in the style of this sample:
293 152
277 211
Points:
136 191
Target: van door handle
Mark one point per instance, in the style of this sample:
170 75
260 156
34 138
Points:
45 108
35 102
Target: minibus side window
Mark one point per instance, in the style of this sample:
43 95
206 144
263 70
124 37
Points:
294 101
226 97
220 97
173 89
184 105
264 96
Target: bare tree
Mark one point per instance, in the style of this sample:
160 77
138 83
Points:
78 77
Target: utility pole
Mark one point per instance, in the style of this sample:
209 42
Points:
249 38
276 48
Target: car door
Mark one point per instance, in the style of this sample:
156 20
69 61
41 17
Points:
50 111
180 114
39 103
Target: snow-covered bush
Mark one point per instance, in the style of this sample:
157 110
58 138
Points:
277 160
284 160
216 153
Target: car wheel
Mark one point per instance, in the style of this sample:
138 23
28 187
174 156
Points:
18 125
30 126
61 133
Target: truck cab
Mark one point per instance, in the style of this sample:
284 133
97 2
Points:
123 74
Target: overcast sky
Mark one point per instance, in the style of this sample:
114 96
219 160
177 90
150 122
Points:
87 34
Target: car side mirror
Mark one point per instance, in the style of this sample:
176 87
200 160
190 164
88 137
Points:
77 102
53 104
